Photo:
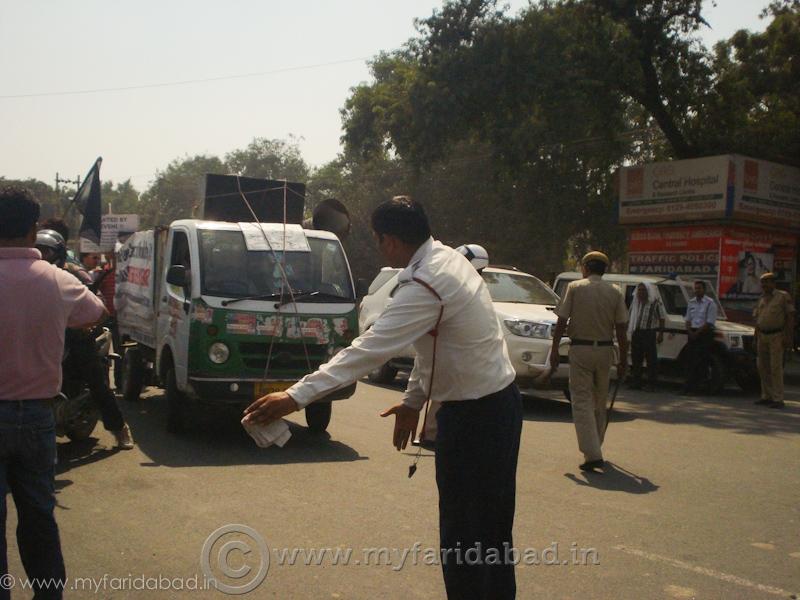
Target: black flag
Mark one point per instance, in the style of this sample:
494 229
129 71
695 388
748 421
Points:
87 201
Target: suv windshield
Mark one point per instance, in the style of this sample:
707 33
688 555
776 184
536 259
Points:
228 269
524 289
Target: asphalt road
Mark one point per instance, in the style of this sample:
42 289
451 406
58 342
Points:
701 501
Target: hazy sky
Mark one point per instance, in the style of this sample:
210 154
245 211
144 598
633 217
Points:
310 53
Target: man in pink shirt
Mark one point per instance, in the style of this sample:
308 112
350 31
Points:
38 301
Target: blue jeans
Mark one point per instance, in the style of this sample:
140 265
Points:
27 470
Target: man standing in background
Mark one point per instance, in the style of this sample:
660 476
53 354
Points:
774 316
592 311
646 331
30 376
701 315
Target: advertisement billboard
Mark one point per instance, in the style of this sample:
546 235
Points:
767 193
685 251
680 190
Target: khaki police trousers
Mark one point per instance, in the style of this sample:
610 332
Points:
770 365
588 386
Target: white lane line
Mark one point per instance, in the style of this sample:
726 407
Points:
740 581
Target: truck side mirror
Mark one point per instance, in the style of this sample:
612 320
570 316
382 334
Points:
362 287
176 275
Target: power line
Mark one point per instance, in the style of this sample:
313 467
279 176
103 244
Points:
181 82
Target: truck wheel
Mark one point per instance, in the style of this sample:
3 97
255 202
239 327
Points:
177 405
383 374
716 374
133 373
318 416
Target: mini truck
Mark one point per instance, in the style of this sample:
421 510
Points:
225 310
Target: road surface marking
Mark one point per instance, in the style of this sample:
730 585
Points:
740 581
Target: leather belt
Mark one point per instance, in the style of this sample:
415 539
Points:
769 331
590 342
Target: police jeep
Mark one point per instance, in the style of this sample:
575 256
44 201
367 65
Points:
733 354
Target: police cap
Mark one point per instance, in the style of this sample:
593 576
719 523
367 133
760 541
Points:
595 255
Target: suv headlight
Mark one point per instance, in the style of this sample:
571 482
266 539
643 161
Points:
218 353
530 329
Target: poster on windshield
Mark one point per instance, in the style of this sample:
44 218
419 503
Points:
133 296
274 237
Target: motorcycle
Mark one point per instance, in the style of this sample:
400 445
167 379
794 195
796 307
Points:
76 414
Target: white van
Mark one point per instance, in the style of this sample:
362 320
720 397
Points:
733 353
524 307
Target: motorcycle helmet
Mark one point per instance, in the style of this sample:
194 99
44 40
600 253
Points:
52 246
476 255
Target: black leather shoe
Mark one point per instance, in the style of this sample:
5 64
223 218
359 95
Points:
774 404
591 465
763 401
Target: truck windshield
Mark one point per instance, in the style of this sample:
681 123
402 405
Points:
228 269
524 289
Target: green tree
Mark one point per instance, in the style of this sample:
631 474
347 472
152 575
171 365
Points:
269 159
176 192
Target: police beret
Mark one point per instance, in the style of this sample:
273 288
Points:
595 255
767 276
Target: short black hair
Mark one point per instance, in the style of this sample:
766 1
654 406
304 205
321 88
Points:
19 212
701 282
596 267
402 217
56 225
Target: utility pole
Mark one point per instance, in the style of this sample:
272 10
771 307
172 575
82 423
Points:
76 182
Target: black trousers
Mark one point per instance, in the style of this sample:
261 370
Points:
697 353
84 361
477 445
644 348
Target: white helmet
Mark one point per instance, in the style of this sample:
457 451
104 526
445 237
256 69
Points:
476 255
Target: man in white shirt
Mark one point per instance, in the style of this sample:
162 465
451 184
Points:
701 315
443 308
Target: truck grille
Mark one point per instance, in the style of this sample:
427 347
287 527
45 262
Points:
285 357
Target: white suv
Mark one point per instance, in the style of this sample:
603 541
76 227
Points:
733 352
524 307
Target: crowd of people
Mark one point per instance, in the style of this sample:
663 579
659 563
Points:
442 307
50 313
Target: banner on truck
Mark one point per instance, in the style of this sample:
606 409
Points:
133 297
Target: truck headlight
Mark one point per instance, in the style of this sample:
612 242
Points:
530 329
218 353
735 341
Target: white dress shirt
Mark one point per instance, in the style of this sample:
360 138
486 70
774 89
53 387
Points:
471 355
702 312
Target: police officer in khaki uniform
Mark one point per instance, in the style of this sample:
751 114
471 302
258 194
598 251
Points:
591 311
774 316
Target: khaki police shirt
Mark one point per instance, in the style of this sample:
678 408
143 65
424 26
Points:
771 312
593 308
